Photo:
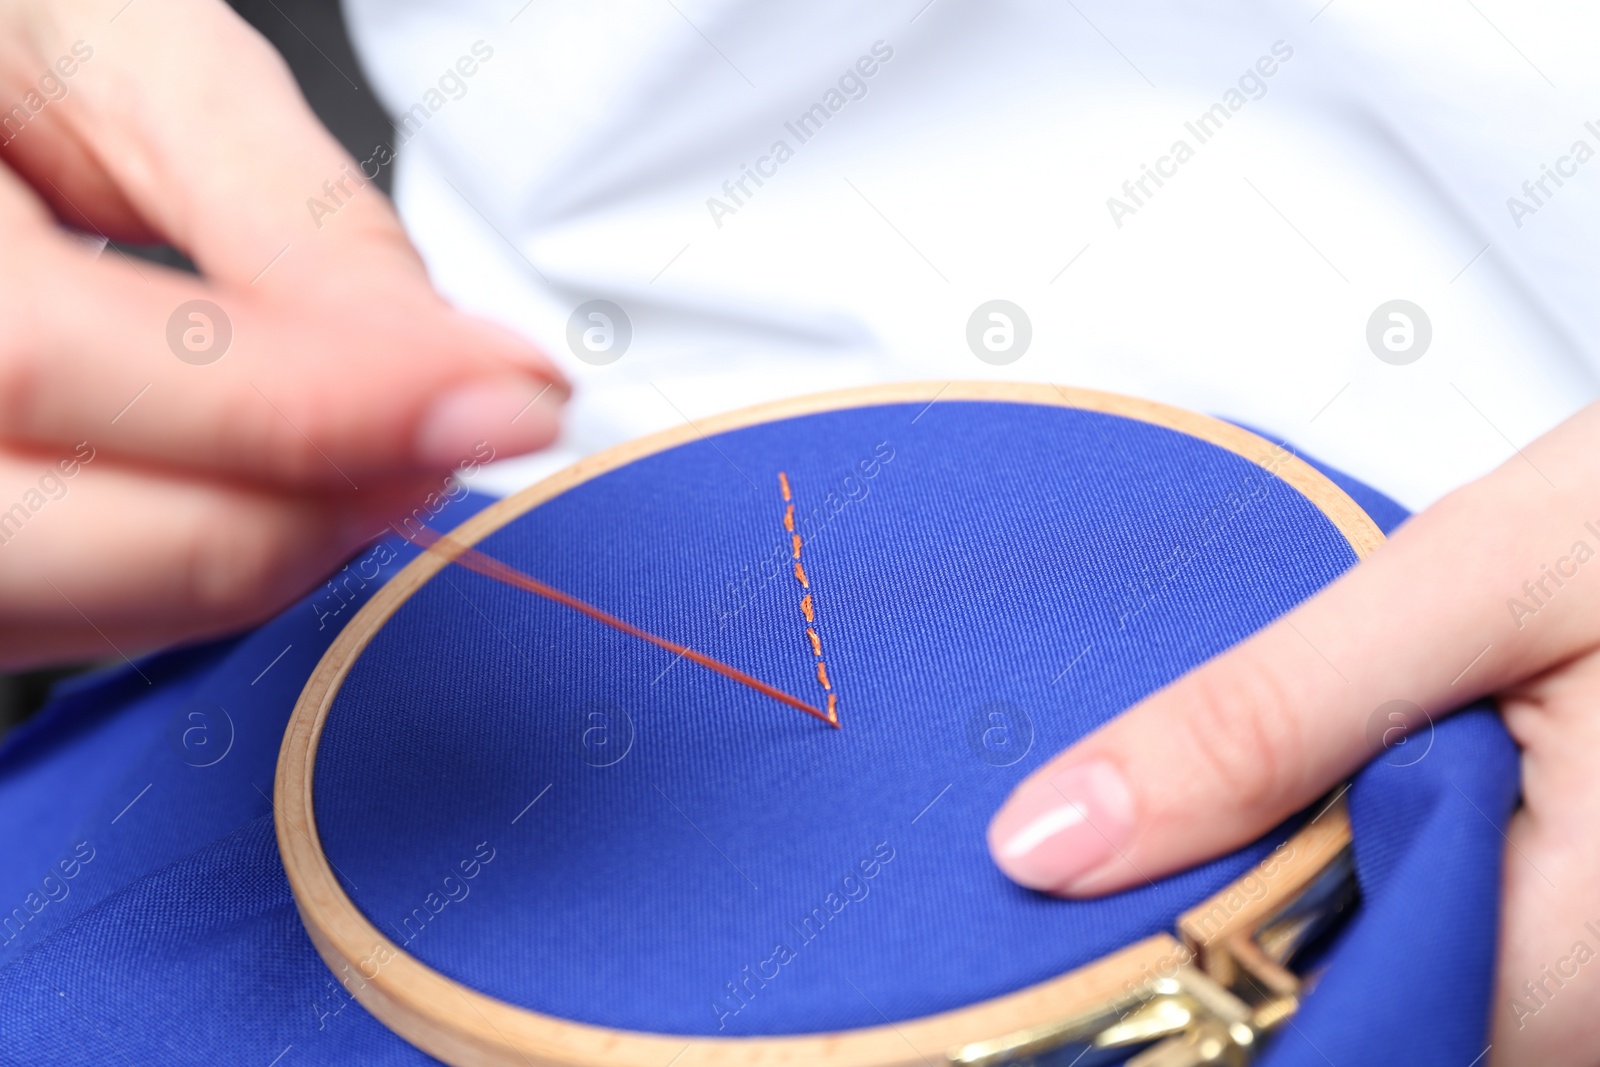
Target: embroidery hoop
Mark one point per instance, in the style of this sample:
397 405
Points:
461 1026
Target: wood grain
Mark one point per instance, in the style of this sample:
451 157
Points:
467 1028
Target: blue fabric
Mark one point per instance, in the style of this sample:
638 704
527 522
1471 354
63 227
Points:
999 545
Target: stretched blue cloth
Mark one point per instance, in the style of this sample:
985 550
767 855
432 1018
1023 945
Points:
570 820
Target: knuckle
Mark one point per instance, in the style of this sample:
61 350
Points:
21 344
276 434
1243 732
19 381
236 571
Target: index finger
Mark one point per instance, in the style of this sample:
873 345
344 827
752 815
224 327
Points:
166 369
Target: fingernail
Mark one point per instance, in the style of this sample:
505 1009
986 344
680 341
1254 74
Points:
509 415
1058 829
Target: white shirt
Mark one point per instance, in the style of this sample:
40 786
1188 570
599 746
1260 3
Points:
603 150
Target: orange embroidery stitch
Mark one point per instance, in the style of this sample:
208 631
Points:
807 607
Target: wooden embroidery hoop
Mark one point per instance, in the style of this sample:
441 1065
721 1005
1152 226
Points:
464 1027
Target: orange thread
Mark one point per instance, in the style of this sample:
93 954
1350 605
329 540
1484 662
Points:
454 551
807 608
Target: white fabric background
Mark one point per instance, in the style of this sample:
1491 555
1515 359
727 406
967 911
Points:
578 162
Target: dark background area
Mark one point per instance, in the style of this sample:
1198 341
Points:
310 35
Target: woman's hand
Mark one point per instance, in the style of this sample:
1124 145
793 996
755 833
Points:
160 480
1230 750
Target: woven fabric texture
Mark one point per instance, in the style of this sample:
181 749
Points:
988 582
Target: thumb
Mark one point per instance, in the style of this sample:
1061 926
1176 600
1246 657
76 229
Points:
1233 748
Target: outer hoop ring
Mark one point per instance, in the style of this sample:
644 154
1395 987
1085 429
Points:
464 1027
